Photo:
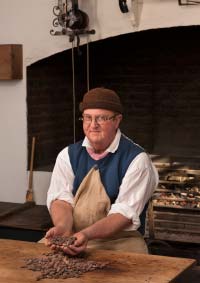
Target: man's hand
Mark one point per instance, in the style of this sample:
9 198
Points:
53 232
61 214
78 246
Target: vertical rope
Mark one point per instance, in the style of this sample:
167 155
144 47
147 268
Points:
74 94
73 84
88 65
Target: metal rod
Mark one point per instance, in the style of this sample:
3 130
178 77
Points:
88 65
74 95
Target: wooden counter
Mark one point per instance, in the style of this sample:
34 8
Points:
123 267
24 216
23 221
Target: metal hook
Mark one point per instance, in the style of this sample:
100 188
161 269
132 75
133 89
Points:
123 6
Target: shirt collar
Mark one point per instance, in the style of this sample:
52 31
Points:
112 147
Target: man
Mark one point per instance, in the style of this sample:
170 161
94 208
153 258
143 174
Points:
100 185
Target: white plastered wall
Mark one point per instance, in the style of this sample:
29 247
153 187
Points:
28 22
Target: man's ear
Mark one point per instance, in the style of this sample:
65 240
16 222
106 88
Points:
119 119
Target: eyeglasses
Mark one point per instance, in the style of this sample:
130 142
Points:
100 119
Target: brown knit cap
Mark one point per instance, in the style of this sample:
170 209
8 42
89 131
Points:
102 98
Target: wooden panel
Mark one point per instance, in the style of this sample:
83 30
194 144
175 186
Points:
173 224
123 267
177 236
10 61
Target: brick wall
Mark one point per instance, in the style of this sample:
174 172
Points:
155 72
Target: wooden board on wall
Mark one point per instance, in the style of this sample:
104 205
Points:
11 62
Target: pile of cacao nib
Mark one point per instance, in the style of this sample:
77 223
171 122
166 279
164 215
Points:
58 265
62 241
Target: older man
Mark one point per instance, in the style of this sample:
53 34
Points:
100 186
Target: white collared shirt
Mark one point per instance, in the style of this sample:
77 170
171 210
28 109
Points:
138 184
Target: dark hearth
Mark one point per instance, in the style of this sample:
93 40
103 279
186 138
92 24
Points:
156 73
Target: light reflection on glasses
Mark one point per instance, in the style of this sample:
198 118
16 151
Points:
100 119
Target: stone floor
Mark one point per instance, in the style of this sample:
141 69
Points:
184 250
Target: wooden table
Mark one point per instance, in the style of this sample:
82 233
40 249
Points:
123 267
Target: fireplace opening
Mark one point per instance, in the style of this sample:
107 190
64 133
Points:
156 74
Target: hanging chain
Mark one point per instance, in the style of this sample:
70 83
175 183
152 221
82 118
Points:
88 65
73 84
74 94
74 23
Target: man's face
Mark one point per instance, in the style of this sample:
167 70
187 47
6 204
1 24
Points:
100 127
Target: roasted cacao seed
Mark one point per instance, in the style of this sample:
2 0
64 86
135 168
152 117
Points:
58 265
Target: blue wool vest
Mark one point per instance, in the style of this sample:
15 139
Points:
112 167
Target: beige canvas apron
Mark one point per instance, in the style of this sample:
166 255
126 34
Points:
92 204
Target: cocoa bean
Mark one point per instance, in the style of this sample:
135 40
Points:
62 241
57 265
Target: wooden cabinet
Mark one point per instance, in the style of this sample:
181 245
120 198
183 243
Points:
11 62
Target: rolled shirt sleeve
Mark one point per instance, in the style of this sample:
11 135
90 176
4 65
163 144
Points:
138 185
62 178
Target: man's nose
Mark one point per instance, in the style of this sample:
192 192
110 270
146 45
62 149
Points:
94 122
